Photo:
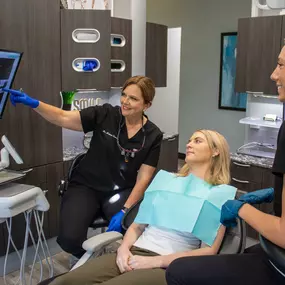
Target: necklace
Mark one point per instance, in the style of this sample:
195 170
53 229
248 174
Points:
127 153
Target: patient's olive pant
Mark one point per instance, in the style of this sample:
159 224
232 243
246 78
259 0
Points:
104 270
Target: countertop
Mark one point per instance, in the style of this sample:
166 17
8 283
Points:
71 152
252 160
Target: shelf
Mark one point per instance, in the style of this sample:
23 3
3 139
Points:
254 121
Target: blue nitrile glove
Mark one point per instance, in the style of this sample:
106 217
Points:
116 222
258 197
21 97
89 65
229 212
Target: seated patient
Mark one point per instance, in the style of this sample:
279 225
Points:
147 250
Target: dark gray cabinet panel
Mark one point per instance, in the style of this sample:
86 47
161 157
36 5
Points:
246 174
32 27
249 178
122 27
54 175
156 53
168 158
257 52
70 50
2 240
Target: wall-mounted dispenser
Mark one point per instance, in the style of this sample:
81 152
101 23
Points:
117 65
86 35
270 4
82 64
117 40
261 134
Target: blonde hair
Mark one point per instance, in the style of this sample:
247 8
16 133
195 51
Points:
145 84
219 171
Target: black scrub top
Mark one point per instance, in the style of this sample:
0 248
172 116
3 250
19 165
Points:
104 168
279 170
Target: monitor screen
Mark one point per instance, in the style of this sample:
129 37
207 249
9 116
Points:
9 62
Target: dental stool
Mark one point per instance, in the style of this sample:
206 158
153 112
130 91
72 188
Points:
98 223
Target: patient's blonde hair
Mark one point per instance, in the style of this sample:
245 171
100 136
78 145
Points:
219 171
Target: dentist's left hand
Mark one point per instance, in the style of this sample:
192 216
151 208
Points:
17 96
116 222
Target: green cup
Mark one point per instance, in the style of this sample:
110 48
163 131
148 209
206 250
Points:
67 99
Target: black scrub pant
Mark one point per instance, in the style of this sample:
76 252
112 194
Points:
233 269
80 206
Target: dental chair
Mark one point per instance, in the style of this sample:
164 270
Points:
275 254
233 243
101 221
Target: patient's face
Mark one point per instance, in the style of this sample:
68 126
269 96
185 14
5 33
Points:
198 150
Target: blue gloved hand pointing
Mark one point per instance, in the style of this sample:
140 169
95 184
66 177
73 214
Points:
21 97
116 222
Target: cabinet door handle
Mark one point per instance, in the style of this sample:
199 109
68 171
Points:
27 170
242 165
253 92
171 139
86 90
240 181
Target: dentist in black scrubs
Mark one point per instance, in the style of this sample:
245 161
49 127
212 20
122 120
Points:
118 166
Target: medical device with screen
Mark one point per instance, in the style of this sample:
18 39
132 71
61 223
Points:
9 62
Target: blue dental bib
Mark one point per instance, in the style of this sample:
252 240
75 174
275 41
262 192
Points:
187 204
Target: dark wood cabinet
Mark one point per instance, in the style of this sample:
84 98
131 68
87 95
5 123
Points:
2 239
156 53
72 20
66 166
168 158
121 33
54 175
247 178
32 27
258 48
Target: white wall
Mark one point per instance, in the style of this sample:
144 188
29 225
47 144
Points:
122 9
202 23
136 11
164 111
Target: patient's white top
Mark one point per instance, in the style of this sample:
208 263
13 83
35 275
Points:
165 241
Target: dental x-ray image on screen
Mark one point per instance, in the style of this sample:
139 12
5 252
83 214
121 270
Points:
9 62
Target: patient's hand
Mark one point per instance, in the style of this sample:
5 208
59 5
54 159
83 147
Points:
144 262
123 255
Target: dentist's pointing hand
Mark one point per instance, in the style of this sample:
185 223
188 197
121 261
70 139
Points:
17 96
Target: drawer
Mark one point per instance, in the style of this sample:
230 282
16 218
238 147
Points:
245 185
268 178
246 172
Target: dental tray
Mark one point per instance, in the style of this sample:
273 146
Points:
7 176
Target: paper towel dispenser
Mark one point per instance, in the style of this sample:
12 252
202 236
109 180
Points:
270 4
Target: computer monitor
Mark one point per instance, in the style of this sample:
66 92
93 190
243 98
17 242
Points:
9 62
